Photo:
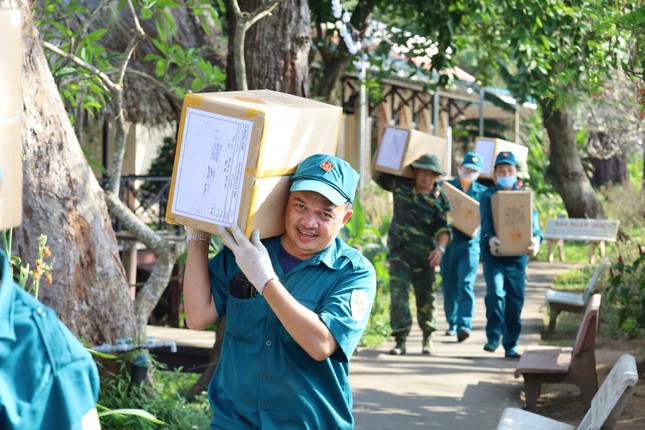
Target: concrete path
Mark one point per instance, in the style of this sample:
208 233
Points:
459 386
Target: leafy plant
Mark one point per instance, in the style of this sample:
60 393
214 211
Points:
163 400
25 274
626 293
371 240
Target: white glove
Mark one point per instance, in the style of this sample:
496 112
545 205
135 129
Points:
534 247
251 256
195 234
495 245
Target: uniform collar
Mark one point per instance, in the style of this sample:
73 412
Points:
332 256
7 292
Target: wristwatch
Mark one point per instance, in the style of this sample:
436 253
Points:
441 248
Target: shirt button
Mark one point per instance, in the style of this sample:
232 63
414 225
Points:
268 343
263 406
265 375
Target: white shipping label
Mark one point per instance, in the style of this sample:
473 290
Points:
210 171
392 149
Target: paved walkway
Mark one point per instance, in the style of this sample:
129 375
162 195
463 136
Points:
460 386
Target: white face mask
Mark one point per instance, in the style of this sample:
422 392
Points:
468 175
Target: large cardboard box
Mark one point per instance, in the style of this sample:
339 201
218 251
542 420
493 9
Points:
236 152
512 215
464 210
399 147
10 119
488 148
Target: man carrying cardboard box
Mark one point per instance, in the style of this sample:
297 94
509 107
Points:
505 275
296 306
459 264
417 240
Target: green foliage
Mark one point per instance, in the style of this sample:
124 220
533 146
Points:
66 24
557 45
626 294
371 240
164 400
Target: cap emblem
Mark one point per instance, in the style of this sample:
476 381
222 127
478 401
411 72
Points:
475 159
326 166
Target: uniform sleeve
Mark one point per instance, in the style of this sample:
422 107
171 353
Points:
535 224
218 268
440 222
486 215
385 180
70 399
347 310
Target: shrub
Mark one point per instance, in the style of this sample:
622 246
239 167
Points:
626 294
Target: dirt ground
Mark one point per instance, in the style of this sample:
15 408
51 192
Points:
564 403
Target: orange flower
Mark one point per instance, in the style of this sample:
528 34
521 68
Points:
49 279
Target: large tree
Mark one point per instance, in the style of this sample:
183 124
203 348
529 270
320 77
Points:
559 50
63 200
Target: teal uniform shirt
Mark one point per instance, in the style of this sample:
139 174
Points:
47 379
264 379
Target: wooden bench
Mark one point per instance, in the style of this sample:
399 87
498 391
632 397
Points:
605 408
594 231
577 365
576 302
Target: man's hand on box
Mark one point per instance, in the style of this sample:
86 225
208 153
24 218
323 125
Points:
250 255
195 234
534 247
495 245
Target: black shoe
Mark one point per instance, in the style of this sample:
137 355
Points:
426 345
462 335
399 349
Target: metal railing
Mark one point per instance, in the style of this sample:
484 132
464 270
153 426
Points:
147 197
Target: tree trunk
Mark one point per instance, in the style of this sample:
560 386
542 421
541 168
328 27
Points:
63 200
277 48
565 171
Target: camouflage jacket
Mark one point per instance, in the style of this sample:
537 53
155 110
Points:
417 219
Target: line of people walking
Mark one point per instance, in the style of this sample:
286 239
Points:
420 239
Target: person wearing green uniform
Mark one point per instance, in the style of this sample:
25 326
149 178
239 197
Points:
505 276
295 306
417 239
48 380
459 264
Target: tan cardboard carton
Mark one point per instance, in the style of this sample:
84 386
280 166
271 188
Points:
512 215
236 152
399 147
488 148
10 119
464 210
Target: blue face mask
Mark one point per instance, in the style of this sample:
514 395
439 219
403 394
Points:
506 181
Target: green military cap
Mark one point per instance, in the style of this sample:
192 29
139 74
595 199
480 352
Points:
428 162
327 175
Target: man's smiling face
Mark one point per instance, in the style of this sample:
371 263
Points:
312 223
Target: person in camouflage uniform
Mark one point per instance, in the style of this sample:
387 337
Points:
417 238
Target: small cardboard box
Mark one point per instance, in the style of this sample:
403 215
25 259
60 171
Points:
464 210
401 146
512 216
488 148
10 119
236 152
